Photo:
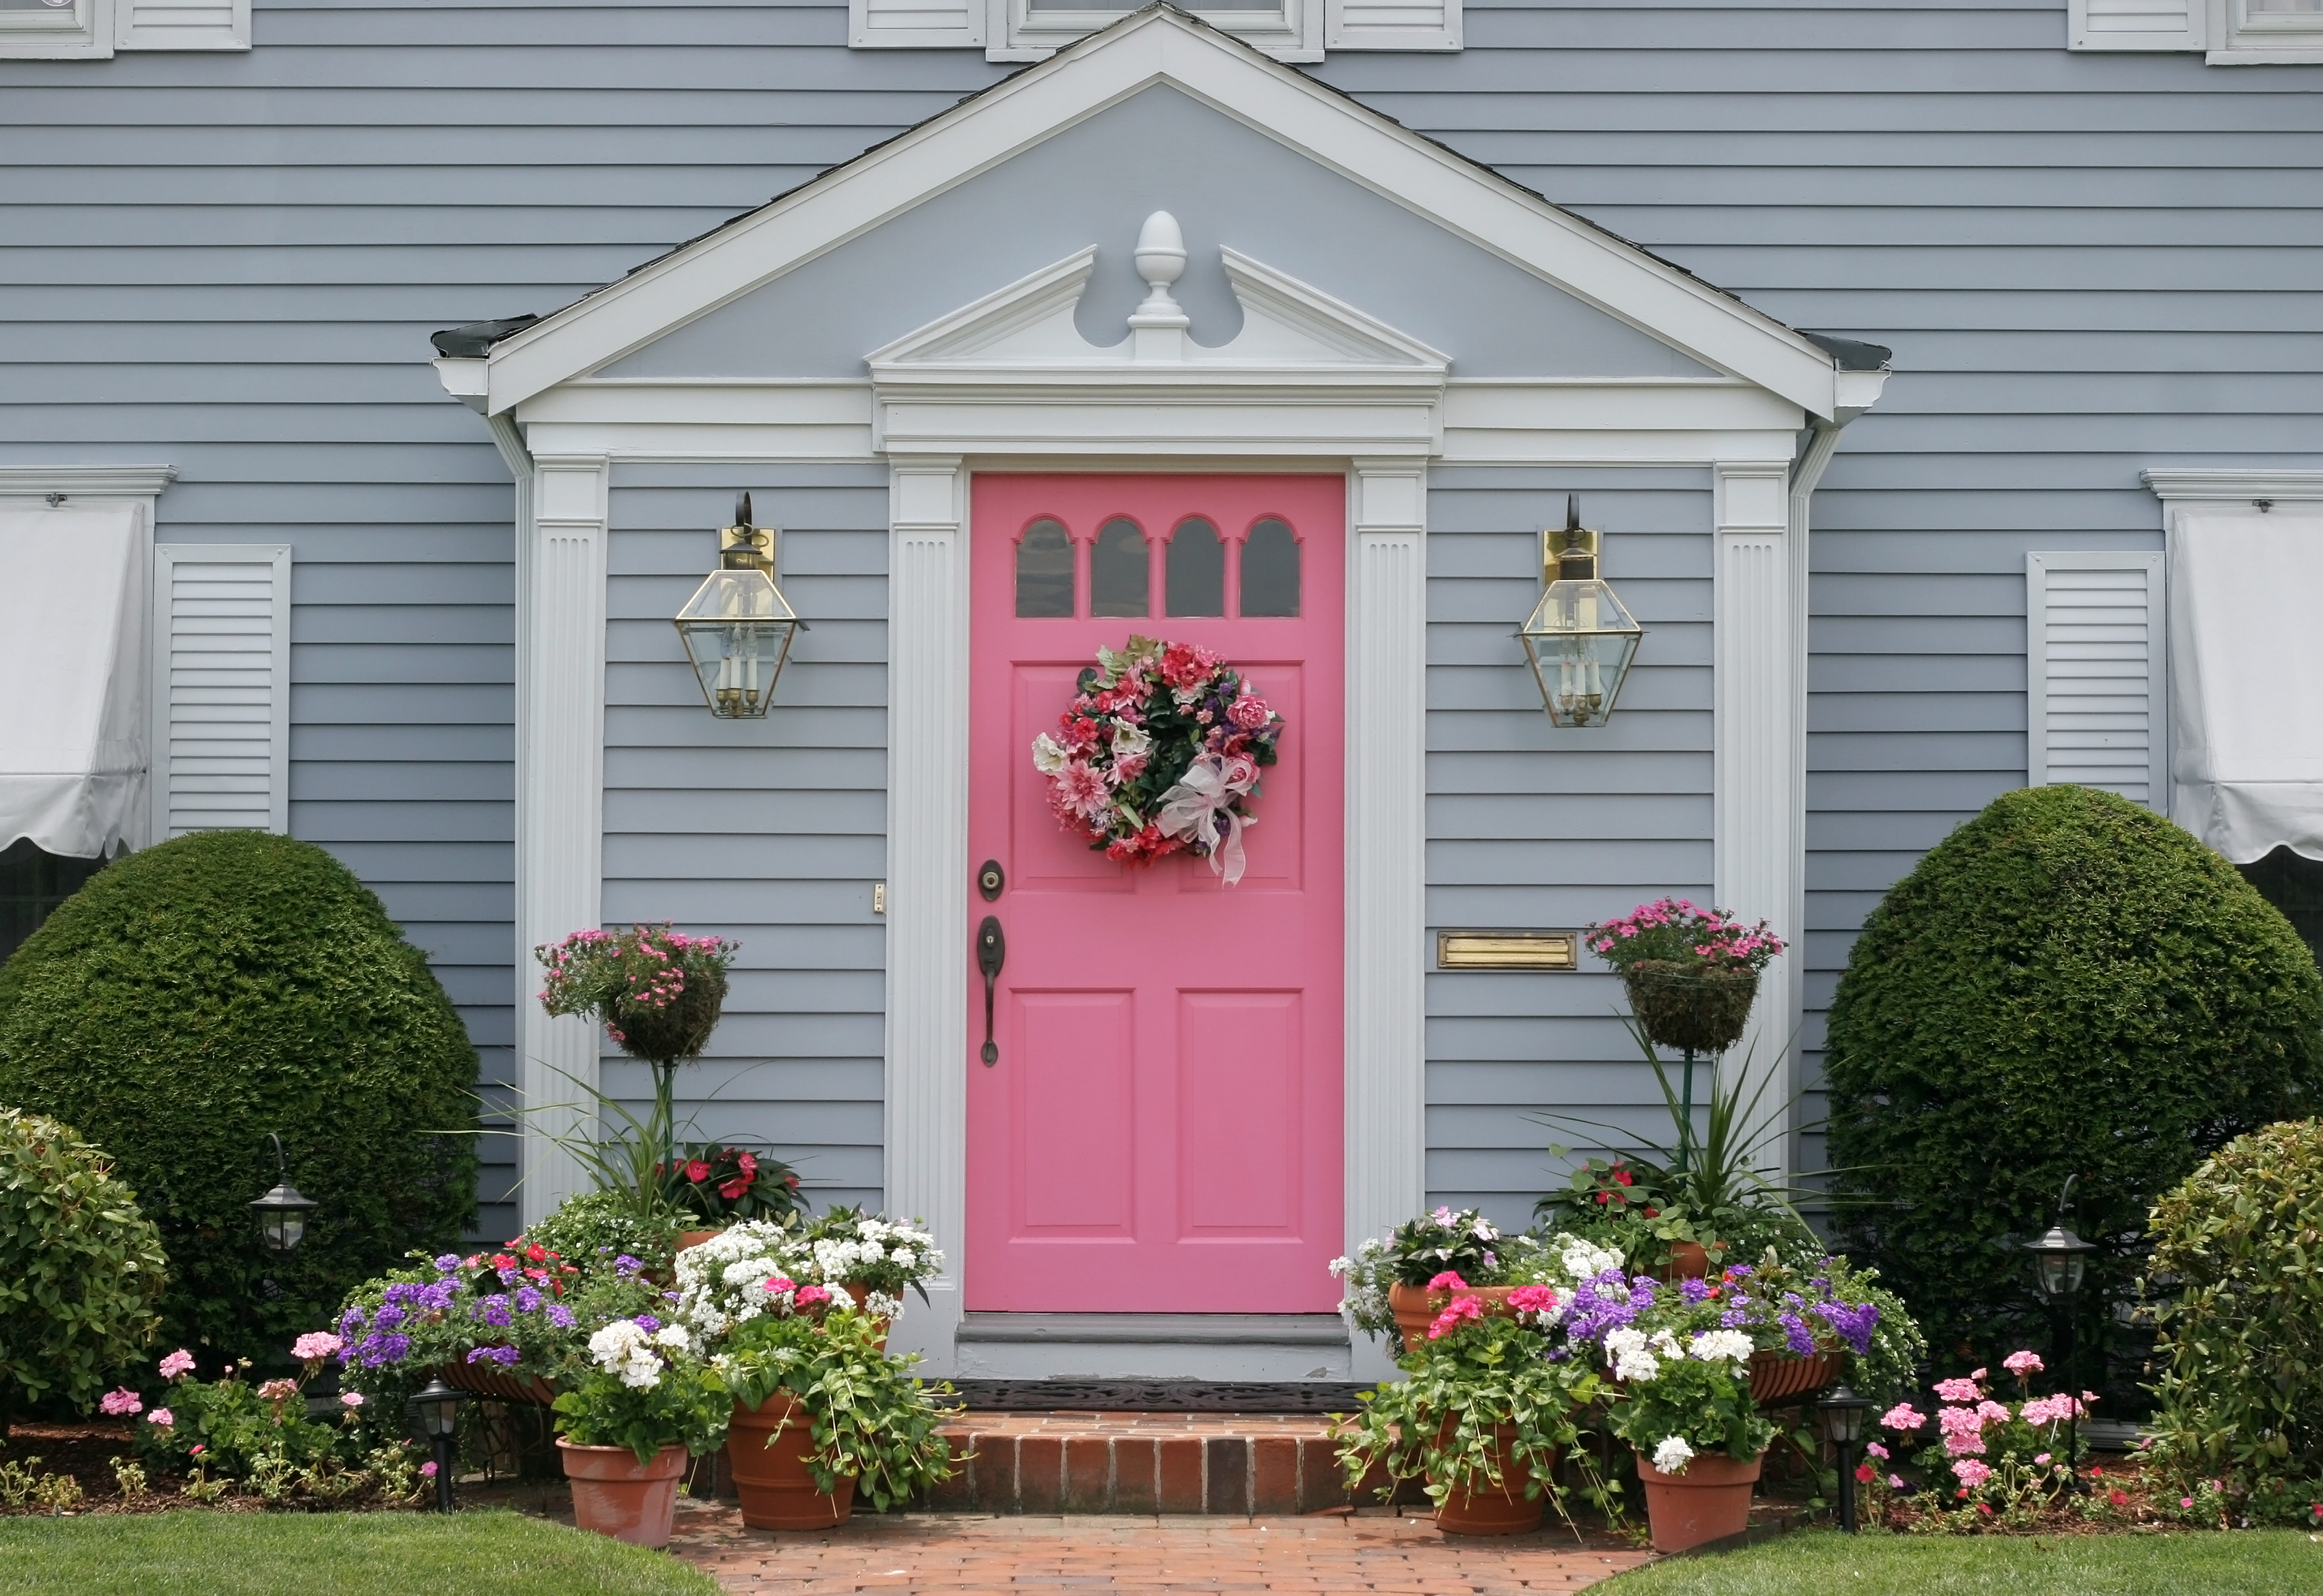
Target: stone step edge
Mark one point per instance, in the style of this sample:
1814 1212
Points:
1013 1473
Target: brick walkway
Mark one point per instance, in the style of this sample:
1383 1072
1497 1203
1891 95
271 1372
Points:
1236 1464
952 1553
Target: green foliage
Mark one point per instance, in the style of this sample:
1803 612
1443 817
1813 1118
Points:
591 1229
874 1420
1444 1421
227 1434
1705 1402
195 997
645 1390
2241 1392
80 1268
2068 984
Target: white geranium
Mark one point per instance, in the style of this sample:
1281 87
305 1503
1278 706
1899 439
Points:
1626 1348
1673 1454
1665 1346
623 1348
1720 1346
674 1336
1585 1261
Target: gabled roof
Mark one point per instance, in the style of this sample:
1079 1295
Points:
1162 45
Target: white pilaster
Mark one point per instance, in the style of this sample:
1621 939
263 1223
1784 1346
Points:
1761 623
926 1172
1387 912
560 781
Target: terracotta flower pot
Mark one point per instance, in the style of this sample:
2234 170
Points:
694 1238
1689 1261
1488 1509
1710 1501
767 1449
1689 1008
613 1494
1415 1308
861 1295
1776 1377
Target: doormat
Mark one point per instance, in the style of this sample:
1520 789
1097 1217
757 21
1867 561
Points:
1159 1395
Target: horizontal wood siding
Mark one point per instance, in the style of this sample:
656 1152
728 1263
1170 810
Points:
1531 828
772 831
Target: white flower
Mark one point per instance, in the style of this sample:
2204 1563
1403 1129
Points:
880 1305
674 1338
1047 755
1584 1261
621 1348
1720 1346
1665 1345
1340 1266
1132 742
1673 1454
1631 1360
902 1257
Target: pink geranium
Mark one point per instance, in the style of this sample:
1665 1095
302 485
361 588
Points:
1463 1309
1959 1391
1532 1299
180 1362
120 1402
1449 1280
162 1418
1903 1417
1973 1473
808 1296
351 1399
2023 1364
314 1346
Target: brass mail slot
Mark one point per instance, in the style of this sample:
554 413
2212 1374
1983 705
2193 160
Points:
1508 951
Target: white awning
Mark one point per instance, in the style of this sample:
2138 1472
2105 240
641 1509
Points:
2246 680
72 676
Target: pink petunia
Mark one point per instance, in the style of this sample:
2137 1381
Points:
428 1470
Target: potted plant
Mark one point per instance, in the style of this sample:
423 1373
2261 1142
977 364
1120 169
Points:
1484 1414
1397 1284
1685 1407
642 1403
822 1412
1691 974
866 1258
659 994
712 1185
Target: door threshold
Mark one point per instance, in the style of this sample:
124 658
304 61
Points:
1265 1348
1192 1329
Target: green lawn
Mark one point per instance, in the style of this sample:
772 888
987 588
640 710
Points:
1824 1563
200 1554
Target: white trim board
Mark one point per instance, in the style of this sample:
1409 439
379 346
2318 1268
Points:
1151 47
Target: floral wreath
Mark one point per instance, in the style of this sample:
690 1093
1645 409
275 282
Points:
1160 752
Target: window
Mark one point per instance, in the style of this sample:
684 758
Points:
1032 30
31 884
1198 570
1045 572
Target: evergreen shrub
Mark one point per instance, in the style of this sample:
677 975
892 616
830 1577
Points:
2240 1244
2068 984
198 994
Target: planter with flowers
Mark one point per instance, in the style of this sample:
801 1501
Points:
642 1402
1398 1284
713 1185
1691 974
1685 1407
1485 1413
820 1413
722 1282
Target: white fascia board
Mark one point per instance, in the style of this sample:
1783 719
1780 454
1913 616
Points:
87 482
1163 47
1855 392
465 380
2235 484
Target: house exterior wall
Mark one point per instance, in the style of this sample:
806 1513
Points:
2086 263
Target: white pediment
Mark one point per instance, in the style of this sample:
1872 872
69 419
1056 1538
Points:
1290 332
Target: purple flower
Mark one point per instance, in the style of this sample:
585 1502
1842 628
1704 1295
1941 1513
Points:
1795 1332
389 1316
510 1275
1733 1318
1693 1290
1853 1324
493 1310
647 1323
1740 1272
503 1355
527 1301
626 1265
560 1316
448 1263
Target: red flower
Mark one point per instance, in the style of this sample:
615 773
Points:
503 1261
535 1252
1604 1197
697 1170
1866 1473
749 1163
2120 1498
734 1188
1653 1213
790 1181
1623 1176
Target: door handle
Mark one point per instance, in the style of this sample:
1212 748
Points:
991 954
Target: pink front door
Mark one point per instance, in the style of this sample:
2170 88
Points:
1160 1131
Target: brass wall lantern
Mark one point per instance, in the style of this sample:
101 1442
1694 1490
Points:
1581 637
738 626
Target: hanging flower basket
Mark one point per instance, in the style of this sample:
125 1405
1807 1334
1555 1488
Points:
1691 1008
678 1030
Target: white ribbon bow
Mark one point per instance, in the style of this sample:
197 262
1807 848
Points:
1205 791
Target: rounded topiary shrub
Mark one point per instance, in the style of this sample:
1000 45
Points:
2237 1242
196 996
80 1268
2067 985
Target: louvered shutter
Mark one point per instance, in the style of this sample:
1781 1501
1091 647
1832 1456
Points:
1378 24
2134 24
915 24
181 25
221 688
2094 664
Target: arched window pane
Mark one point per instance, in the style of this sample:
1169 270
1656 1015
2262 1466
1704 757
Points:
1119 573
1197 571
1045 572
1270 570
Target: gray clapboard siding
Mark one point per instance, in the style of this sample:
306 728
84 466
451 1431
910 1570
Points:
1533 827
771 832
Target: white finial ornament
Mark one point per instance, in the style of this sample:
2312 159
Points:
1158 326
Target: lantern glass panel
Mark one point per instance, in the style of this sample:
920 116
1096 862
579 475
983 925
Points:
285 1229
738 630
1580 642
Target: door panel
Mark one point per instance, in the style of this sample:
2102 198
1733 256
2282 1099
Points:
1161 1130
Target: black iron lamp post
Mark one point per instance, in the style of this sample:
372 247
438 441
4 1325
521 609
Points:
2060 1263
282 1212
1842 1419
437 1407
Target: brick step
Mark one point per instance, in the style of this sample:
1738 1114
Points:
1241 1465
